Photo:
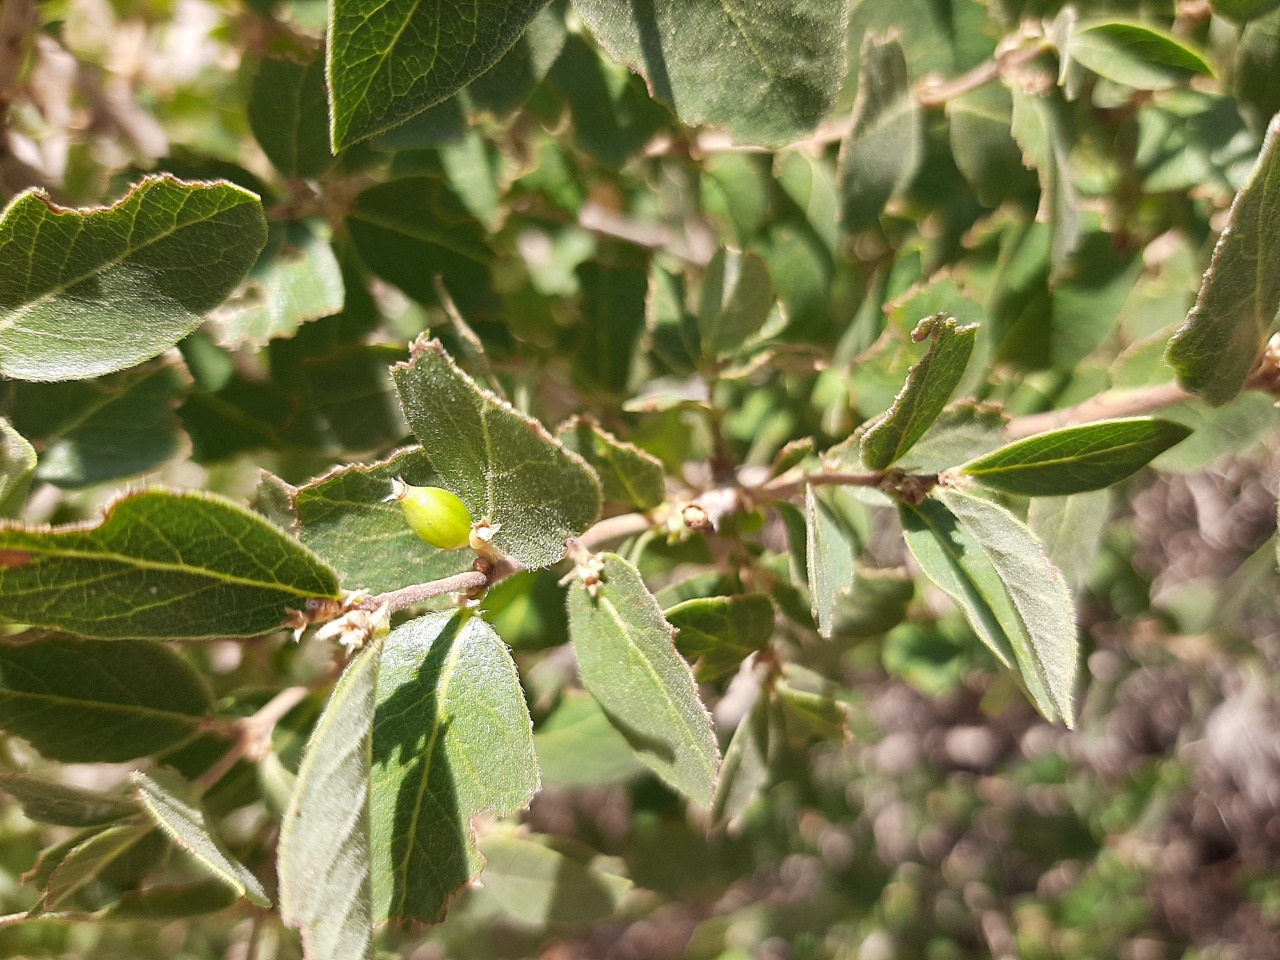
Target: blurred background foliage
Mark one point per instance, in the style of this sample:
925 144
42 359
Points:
549 204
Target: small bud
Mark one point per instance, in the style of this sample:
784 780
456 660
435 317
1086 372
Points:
435 515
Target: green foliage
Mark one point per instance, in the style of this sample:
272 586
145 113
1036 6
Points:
1075 459
160 564
89 292
1214 350
506 468
756 623
630 665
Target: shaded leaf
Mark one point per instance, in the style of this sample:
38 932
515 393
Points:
452 739
513 79
929 386
885 145
93 701
1038 128
745 772
1076 459
90 432
982 143
578 747
504 465
181 818
414 230
613 308
809 708
162 564
613 114
1244 9
325 853
296 279
1216 346
720 632
87 861
737 297
627 474
629 663
289 115
88 292
1071 531
390 61
47 801
345 518
540 886
769 74
17 467
175 902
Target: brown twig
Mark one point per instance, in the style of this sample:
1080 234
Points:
418 593
253 734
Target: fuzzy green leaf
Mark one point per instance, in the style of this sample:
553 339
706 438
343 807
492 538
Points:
289 116
1076 459
345 518
829 556
745 772
168 802
88 860
1216 346
17 467
629 663
768 72
87 292
578 747
721 632
987 571
81 701
47 801
885 144
106 429
161 564
1071 530
628 475
929 386
325 852
390 61
504 465
452 739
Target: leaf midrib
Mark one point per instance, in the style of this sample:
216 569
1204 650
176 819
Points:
166 567
22 311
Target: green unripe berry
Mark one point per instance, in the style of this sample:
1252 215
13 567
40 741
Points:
435 515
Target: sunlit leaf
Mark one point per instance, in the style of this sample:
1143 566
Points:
1216 346
160 564
452 739
325 852
390 61
504 465
166 800
768 74
87 292
629 662
1075 459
